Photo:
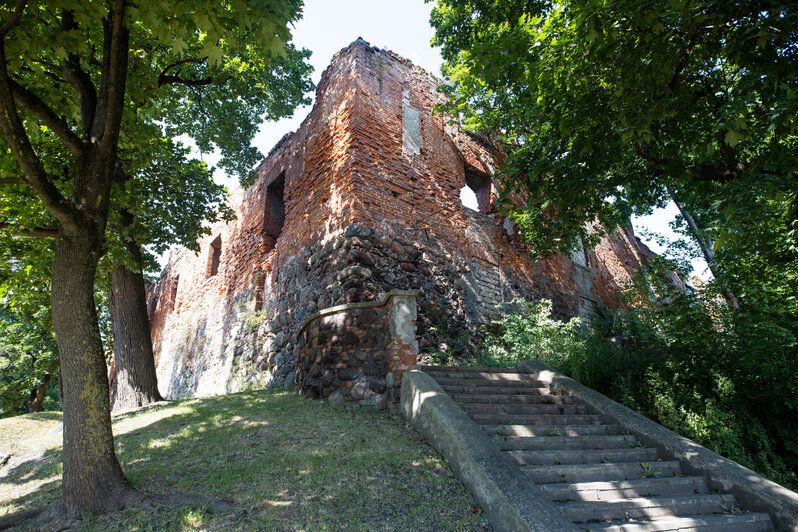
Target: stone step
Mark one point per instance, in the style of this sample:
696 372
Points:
533 409
532 419
648 507
496 376
520 443
619 489
498 390
534 431
447 379
583 456
470 397
547 474
744 522
600 478
467 369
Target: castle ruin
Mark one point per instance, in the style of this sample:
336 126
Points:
352 252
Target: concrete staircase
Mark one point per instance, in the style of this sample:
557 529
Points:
601 478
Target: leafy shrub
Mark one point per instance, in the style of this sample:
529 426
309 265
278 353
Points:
728 380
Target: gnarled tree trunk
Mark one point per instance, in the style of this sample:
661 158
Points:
135 382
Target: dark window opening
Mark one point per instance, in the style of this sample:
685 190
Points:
215 253
479 184
274 211
173 293
260 286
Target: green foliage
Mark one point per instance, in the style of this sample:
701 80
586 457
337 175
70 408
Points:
28 355
532 334
727 380
603 106
27 345
212 71
449 349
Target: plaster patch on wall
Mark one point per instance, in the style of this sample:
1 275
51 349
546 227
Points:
411 127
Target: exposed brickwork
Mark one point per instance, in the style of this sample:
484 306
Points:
362 199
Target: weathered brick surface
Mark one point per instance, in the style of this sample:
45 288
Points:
371 183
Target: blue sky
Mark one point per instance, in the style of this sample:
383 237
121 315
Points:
401 26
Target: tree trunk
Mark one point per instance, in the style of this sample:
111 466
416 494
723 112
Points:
706 249
92 477
135 382
36 397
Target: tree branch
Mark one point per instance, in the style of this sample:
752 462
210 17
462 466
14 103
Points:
44 113
172 80
79 81
189 60
12 181
37 232
14 20
720 174
167 79
709 172
32 168
114 87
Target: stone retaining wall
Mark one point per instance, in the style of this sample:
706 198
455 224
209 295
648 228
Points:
354 354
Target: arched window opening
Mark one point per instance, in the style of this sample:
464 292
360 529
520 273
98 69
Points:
479 184
274 211
214 255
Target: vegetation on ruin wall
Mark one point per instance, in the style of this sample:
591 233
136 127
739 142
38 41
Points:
724 379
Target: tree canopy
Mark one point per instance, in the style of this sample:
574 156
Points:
610 108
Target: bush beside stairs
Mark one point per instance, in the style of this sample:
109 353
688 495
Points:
596 473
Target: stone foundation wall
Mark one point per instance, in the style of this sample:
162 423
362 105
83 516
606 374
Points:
355 353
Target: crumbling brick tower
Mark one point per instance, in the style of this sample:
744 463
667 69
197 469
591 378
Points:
362 200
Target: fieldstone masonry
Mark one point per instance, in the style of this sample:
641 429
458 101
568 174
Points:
355 353
361 201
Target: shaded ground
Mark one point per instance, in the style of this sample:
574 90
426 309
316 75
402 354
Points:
285 462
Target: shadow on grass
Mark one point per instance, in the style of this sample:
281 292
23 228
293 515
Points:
286 462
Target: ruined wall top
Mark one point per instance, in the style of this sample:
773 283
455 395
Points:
362 199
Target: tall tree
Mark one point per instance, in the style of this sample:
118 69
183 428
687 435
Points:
609 107
173 198
134 382
101 77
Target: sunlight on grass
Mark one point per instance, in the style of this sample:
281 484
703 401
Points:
286 463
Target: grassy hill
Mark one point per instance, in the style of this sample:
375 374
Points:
283 463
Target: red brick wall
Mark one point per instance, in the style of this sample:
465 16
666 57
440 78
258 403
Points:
372 179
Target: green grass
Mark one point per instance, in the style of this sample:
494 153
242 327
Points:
287 463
